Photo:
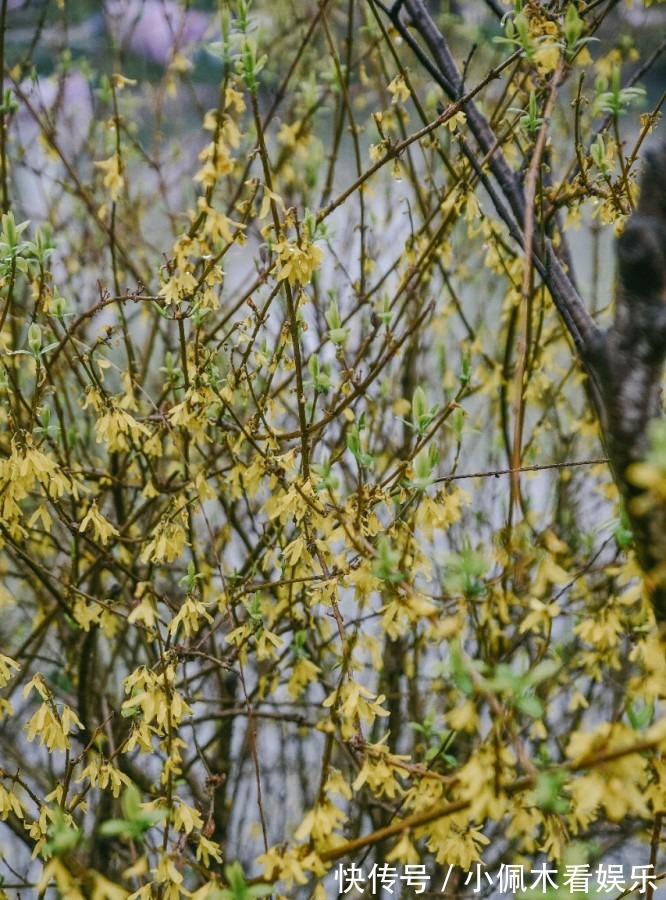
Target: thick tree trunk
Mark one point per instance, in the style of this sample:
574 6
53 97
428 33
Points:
628 365
625 364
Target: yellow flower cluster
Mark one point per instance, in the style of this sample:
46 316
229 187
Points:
297 262
24 469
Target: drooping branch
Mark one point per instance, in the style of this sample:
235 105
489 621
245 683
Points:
508 195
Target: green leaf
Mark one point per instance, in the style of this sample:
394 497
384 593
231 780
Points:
63 836
547 794
387 561
530 705
238 888
137 819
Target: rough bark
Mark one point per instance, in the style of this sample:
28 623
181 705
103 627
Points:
624 364
628 362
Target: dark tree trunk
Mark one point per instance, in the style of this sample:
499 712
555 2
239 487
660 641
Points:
624 364
628 364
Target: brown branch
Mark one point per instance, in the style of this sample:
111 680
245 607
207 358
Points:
526 782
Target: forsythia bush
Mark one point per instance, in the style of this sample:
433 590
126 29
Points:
311 563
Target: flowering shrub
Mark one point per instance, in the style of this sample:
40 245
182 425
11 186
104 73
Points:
310 555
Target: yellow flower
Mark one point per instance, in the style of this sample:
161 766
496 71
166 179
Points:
166 871
287 134
217 226
207 848
398 89
355 702
298 263
120 81
377 151
547 57
102 528
145 612
101 773
283 866
41 513
144 893
185 818
217 160
113 180
53 729
190 615
38 684
6 663
9 802
320 822
404 852
116 426
86 614
305 673
267 643
179 287
167 541
456 121
234 98
64 881
459 845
